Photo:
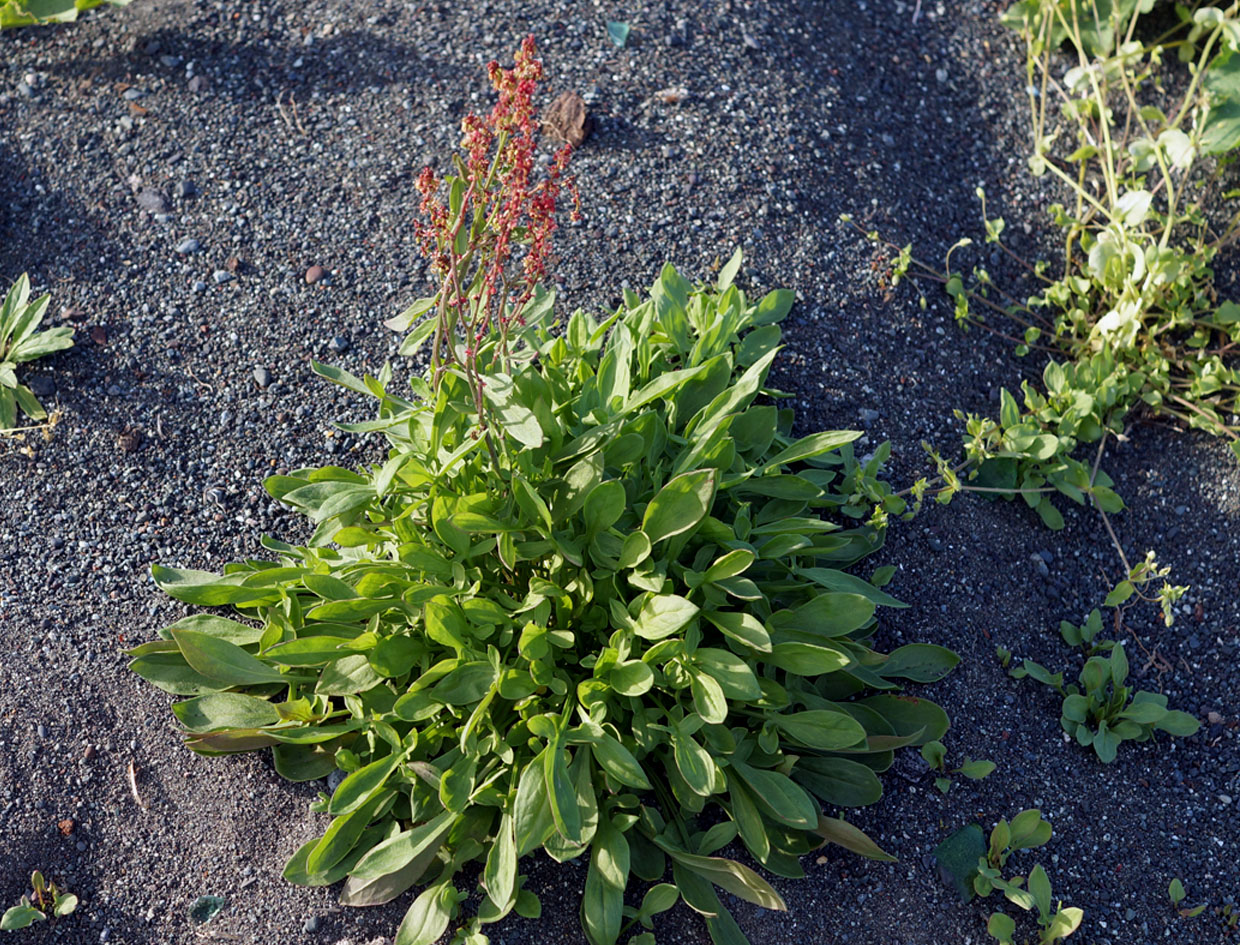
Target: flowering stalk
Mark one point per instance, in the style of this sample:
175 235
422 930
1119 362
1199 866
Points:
489 242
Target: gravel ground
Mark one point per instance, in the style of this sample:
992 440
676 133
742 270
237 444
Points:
171 170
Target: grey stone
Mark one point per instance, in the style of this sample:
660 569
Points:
153 201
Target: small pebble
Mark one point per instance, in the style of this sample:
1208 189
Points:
315 274
187 246
339 344
311 924
198 83
262 377
221 276
132 95
187 188
153 201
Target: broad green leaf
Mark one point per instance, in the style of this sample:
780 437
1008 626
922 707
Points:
910 716
561 793
694 763
631 678
500 874
920 662
208 590
359 786
708 697
822 729
744 628
227 662
733 674
813 445
389 868
230 630
839 831
604 505
342 834
679 505
532 809
778 796
734 877
428 917
806 659
838 781
663 615
223 710
727 275
619 762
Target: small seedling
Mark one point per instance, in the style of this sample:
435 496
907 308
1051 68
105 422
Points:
935 755
21 341
975 868
1083 636
44 899
1177 894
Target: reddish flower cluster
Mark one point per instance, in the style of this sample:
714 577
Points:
501 207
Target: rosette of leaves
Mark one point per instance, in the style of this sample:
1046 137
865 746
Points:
37 12
21 341
637 616
1101 711
45 899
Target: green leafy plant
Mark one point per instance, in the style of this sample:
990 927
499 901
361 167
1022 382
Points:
593 600
21 341
935 755
975 868
1230 914
1177 894
44 899
37 12
1101 711
1130 319
638 618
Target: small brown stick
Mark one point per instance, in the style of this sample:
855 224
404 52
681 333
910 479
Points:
133 787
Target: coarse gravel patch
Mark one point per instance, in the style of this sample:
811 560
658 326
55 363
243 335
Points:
217 192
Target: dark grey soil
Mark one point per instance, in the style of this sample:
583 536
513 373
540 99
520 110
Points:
289 134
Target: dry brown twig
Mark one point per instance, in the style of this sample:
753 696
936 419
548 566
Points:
133 787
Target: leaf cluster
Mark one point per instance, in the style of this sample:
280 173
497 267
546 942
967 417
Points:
39 12
44 899
976 866
21 341
1100 710
626 636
